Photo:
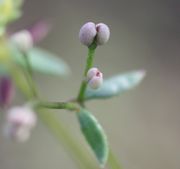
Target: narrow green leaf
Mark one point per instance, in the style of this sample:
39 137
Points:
95 135
42 61
116 85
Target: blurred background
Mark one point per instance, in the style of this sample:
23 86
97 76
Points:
143 125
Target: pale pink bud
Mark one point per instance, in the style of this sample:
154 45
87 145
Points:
23 40
19 122
95 78
17 133
93 72
87 33
103 33
23 116
6 91
95 82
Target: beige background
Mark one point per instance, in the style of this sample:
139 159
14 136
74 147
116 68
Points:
142 125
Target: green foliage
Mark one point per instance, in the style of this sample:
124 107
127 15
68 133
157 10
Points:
41 61
9 10
94 134
21 65
116 85
3 70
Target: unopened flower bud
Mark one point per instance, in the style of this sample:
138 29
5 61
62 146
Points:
95 78
95 82
92 72
90 32
103 33
23 40
6 91
16 133
19 122
87 33
39 31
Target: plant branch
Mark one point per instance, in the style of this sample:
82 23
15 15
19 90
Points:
29 75
58 105
64 136
112 161
89 64
57 129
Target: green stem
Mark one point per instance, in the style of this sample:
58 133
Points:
89 64
29 75
52 123
58 105
65 137
75 150
28 64
112 161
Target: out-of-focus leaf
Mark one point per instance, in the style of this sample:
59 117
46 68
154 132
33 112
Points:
116 85
42 61
3 70
2 30
94 134
9 10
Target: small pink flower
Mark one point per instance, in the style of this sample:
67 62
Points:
6 91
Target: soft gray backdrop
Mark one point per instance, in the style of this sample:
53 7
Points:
142 125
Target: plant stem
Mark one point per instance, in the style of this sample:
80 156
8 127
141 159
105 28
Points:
58 105
64 136
89 64
28 64
29 75
112 161
57 129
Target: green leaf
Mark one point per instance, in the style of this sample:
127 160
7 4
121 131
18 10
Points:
116 85
95 135
3 70
41 61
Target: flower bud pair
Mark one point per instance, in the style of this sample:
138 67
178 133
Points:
19 123
90 32
94 78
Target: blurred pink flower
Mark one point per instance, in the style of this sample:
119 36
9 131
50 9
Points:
7 91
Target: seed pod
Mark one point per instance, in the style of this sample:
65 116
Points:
23 40
87 33
103 33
